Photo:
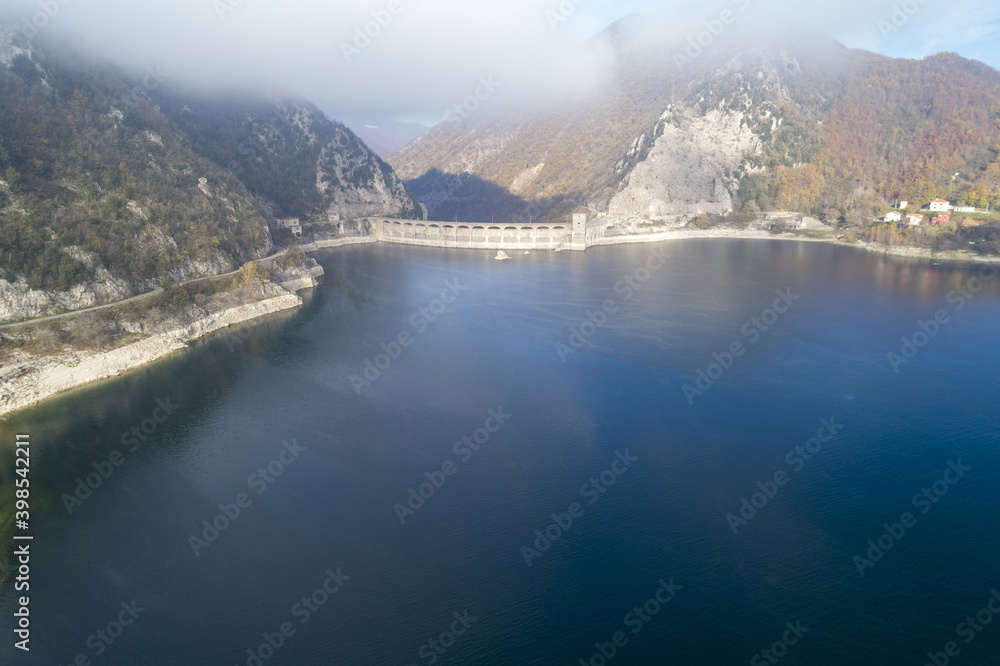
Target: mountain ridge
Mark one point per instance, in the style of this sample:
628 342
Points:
107 188
826 122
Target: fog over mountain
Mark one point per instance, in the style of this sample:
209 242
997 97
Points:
748 115
426 57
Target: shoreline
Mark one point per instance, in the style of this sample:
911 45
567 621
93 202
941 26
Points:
950 256
326 244
905 252
53 375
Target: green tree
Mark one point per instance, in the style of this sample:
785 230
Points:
13 178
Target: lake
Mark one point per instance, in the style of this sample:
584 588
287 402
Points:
688 452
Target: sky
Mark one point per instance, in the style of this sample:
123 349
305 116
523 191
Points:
416 59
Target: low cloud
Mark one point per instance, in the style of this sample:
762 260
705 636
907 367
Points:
415 59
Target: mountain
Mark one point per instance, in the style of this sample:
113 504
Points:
111 183
783 123
290 153
98 186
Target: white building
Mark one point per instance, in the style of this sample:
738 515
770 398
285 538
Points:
964 209
903 205
292 224
914 220
893 216
939 206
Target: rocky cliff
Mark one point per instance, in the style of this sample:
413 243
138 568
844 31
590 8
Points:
689 166
26 379
112 183
291 155
789 122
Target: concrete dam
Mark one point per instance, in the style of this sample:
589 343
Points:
474 236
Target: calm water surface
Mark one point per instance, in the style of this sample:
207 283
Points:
279 421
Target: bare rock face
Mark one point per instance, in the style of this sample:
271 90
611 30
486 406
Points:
290 154
689 168
297 278
657 140
12 44
27 379
365 185
18 301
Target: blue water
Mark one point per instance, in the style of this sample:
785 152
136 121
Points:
354 451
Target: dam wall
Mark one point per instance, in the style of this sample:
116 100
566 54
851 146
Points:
473 236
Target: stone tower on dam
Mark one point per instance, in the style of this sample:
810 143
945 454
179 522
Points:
579 241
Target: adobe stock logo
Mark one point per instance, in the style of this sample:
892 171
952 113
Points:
259 481
636 620
925 500
394 349
40 19
714 29
437 647
101 640
592 491
562 13
303 610
900 16
796 459
421 492
597 319
753 330
927 330
793 634
223 7
483 92
969 630
372 29
104 468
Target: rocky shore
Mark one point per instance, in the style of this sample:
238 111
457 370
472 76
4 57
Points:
30 379
760 234
924 253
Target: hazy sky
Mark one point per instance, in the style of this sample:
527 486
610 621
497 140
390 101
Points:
427 55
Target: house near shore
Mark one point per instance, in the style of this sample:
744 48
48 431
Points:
337 220
893 216
939 206
941 219
914 220
293 224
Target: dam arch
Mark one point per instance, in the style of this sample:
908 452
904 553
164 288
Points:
489 236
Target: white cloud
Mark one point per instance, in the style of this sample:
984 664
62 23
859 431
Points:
427 55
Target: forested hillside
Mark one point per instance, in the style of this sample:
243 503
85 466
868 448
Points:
287 151
96 183
798 124
113 183
902 129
